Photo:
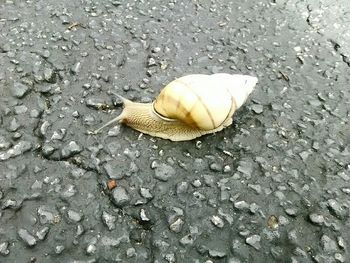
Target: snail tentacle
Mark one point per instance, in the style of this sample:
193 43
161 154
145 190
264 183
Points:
117 119
107 124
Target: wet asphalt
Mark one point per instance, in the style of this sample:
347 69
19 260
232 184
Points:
273 187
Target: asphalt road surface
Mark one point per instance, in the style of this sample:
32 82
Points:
273 187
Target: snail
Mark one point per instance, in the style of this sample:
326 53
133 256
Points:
188 107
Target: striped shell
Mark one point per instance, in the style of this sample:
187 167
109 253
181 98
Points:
203 101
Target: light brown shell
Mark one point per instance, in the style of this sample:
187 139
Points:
197 101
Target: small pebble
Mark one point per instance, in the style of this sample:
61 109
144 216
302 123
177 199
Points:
114 131
328 244
241 205
44 127
187 240
217 253
176 226
316 219
120 196
59 249
209 180
217 221
291 211
14 125
9 203
170 258
164 172
336 209
68 191
27 237
196 183
95 103
130 252
254 241
143 215
339 257
4 248
19 90
42 233
315 103
70 150
21 109
258 109
292 236
151 62
146 193
74 216
49 75
91 249
75 114
255 187
4 144
181 188
80 230
75 69
227 169
341 242
108 220
36 185
45 215
47 150
215 167
245 168
272 222
112 170
253 208
234 260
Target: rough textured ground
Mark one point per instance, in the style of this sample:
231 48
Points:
274 187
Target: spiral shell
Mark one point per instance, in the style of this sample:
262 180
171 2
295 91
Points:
203 101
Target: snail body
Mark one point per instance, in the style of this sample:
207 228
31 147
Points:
189 107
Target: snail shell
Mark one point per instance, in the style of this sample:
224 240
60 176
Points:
189 107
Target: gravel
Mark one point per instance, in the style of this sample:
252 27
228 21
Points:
258 109
74 216
337 210
146 193
272 187
70 150
316 219
120 196
217 221
108 220
26 237
16 150
4 248
176 226
19 90
164 172
254 241
328 244
42 233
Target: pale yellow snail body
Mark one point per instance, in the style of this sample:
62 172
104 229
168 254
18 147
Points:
189 107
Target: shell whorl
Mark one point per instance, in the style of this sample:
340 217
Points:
201 101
